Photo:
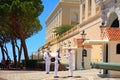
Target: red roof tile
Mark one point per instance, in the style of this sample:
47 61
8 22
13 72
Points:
113 34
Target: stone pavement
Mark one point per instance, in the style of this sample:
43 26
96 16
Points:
40 75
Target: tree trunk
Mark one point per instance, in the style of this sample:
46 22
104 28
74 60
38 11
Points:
22 38
17 28
6 51
19 54
14 52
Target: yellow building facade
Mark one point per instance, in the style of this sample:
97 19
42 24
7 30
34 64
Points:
91 15
68 12
65 13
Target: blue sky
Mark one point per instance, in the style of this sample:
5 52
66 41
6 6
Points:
38 40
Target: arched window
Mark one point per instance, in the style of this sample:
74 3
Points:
85 53
74 18
118 49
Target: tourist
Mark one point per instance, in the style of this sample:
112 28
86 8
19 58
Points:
3 63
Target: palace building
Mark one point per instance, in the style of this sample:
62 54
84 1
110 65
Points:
65 13
93 39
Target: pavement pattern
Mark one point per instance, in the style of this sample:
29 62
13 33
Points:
40 75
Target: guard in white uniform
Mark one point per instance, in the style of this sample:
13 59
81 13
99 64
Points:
70 62
47 58
57 62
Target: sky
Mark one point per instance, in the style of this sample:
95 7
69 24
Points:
37 40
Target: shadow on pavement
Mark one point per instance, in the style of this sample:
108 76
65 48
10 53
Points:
77 76
70 77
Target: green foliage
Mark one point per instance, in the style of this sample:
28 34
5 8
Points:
25 12
62 29
4 33
20 18
75 23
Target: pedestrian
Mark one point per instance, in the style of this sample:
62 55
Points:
57 62
47 58
3 63
70 62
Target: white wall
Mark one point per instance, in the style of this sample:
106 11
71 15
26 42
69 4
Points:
113 58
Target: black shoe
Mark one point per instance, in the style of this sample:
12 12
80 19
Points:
56 76
47 73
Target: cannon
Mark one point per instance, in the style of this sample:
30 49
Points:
106 66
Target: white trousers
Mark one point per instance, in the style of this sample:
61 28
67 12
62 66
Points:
70 69
47 67
56 68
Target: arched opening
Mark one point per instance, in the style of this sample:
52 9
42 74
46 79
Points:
85 53
115 23
74 18
113 20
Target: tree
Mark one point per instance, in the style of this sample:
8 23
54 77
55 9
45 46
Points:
4 38
22 19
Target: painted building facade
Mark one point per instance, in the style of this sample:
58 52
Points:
68 12
65 13
91 14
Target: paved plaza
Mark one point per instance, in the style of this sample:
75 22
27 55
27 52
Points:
40 75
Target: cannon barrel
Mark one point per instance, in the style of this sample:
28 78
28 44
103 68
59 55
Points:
106 66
